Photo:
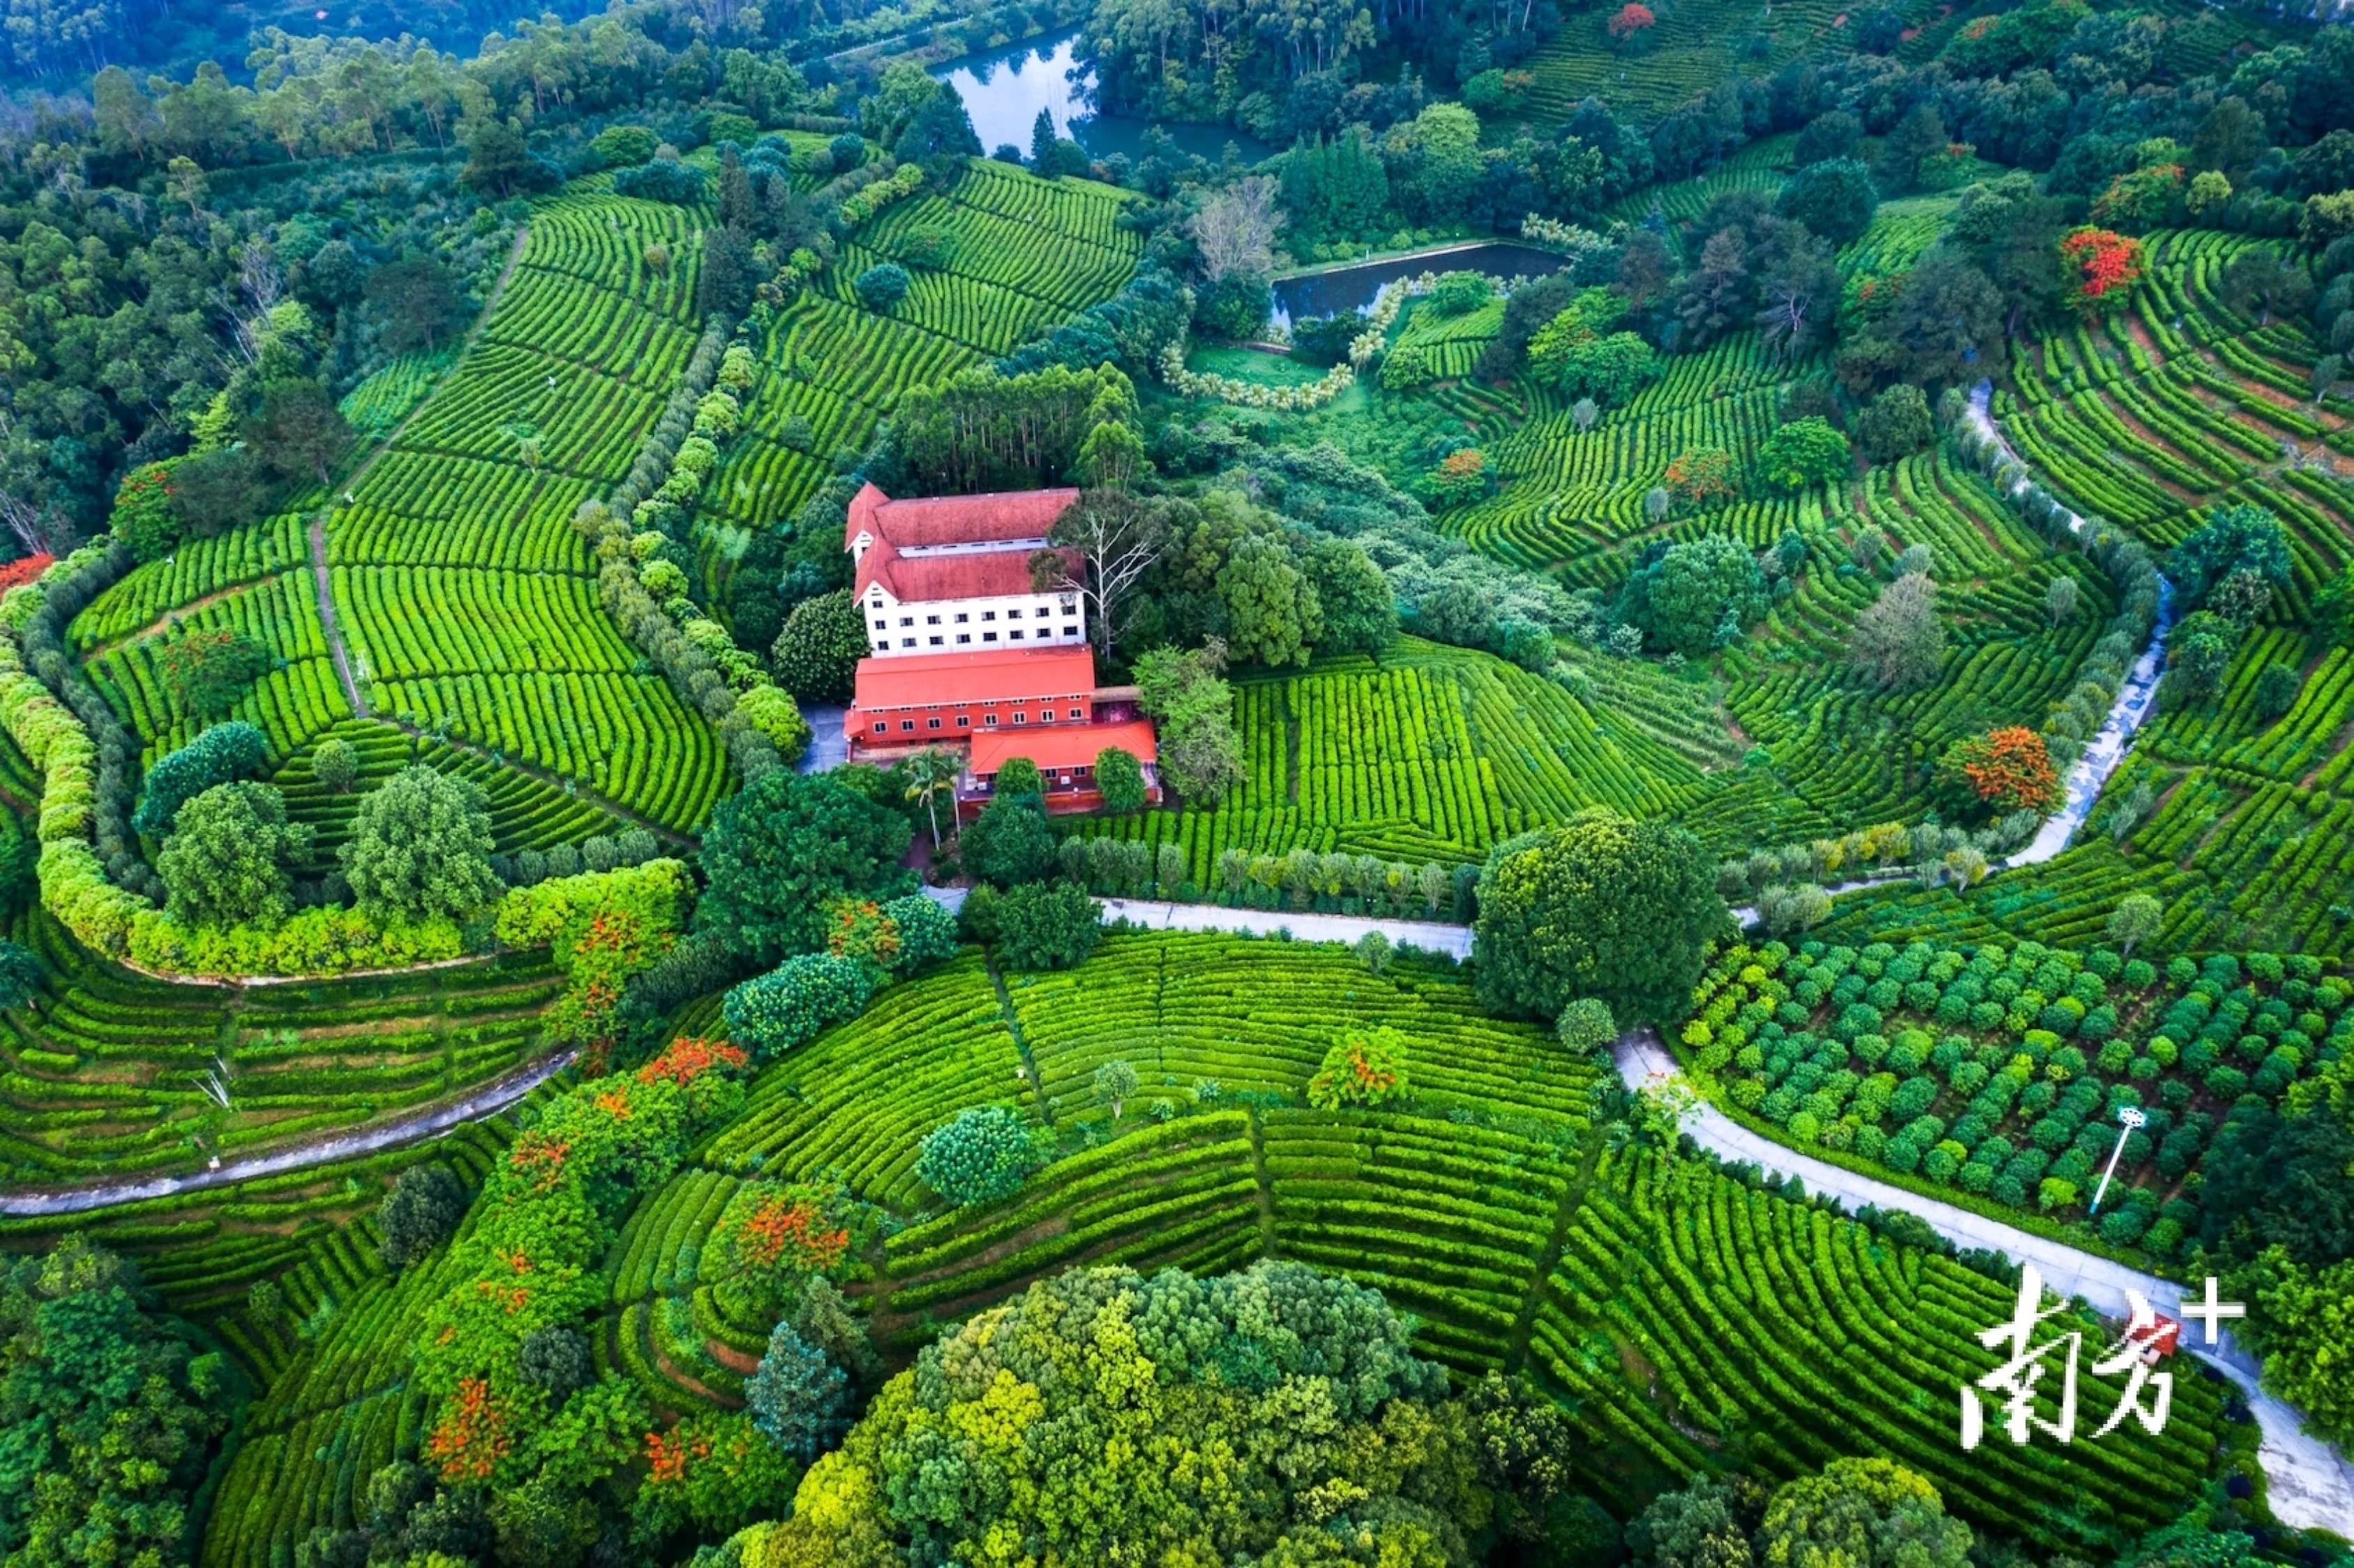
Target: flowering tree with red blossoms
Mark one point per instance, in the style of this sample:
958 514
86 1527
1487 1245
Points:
2102 265
1631 26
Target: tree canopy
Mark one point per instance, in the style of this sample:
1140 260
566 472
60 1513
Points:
784 847
420 848
110 1417
1603 906
1105 1416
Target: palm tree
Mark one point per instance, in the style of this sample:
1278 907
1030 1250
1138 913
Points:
932 770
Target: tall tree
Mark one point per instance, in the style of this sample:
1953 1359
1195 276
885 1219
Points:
230 857
1234 231
1045 155
785 846
298 431
1601 907
1899 641
1100 547
417 301
420 848
1715 293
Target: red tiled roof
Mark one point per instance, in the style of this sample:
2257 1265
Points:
923 521
928 579
1011 676
1061 745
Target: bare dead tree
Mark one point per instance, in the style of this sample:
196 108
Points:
1235 229
1116 537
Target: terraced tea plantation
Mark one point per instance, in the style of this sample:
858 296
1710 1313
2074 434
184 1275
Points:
999 256
1428 753
2176 406
1485 1203
114 1073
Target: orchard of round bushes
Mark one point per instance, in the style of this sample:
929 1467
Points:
1995 1073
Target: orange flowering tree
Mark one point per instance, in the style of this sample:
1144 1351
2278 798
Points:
2101 267
603 928
531 1265
1631 25
1700 475
715 1471
1461 476
858 928
2001 771
476 1431
1364 1067
773 1237
710 1072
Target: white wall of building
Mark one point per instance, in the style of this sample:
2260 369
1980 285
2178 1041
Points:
971 625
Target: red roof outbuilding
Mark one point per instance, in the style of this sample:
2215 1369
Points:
1011 675
1063 746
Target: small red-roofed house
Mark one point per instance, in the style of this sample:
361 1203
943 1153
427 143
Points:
968 654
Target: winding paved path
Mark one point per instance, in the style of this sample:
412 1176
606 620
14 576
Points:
2309 1484
1431 936
418 1125
2136 697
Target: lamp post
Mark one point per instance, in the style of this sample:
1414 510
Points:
2133 1117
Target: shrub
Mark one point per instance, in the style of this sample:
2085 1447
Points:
418 1214
1362 1068
984 1154
772 711
335 764
1047 925
882 286
662 179
792 1002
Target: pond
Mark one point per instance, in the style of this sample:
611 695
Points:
1005 89
1353 288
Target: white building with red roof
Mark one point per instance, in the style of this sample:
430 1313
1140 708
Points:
967 655
951 573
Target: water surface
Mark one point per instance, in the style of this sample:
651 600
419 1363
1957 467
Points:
1005 89
1353 288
